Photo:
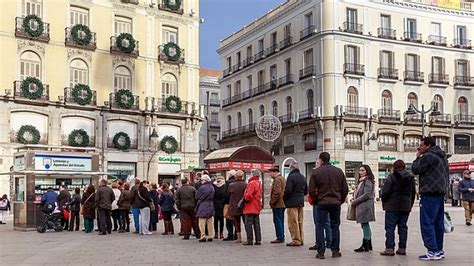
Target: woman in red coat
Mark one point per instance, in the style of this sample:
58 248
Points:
253 205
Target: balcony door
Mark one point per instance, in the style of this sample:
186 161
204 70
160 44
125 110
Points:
386 101
308 58
385 23
437 66
412 63
308 20
463 108
352 98
461 34
386 61
32 7
462 68
288 67
351 17
287 31
411 28
260 78
273 73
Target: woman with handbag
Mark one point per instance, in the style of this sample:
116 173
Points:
145 204
205 208
167 208
88 208
364 204
124 204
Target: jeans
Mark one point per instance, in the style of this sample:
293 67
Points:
295 225
399 220
105 224
327 227
334 212
432 222
124 220
279 222
115 218
252 221
136 219
144 221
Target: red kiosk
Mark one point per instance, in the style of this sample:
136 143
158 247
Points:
243 158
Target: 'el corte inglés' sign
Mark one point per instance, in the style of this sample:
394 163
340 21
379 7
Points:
62 163
169 159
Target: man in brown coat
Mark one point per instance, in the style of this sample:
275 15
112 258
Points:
277 204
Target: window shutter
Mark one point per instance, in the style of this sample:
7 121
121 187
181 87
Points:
381 58
357 56
468 71
456 66
346 54
443 66
406 62
392 60
417 67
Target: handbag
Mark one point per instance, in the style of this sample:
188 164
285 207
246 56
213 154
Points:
351 212
241 204
448 223
226 211
81 209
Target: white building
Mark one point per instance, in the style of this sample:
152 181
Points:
340 75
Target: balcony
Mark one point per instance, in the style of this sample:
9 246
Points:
214 102
259 56
114 49
20 94
272 49
413 119
356 112
260 89
14 137
462 43
178 9
438 79
308 32
437 40
248 129
286 119
389 115
463 81
307 72
133 143
226 102
289 149
65 140
413 76
412 37
69 41
288 41
271 86
285 80
389 74
69 99
353 27
236 67
354 69
214 124
172 57
247 62
442 119
247 94
227 72
306 114
310 146
159 105
463 119
22 33
236 98
463 149
353 145
115 105
387 33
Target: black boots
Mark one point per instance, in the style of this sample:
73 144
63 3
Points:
366 246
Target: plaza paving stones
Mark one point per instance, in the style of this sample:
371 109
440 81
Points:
77 248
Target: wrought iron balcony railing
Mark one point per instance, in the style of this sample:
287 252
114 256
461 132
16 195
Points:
387 33
353 27
69 41
272 49
214 124
248 61
259 56
307 72
412 37
21 32
285 80
462 43
356 112
20 94
227 72
133 143
114 104
415 76
159 105
389 115
246 94
354 69
286 119
306 114
413 118
444 119
288 41
463 149
437 40
388 73
214 102
309 31
162 56
289 149
68 98
116 50
236 67
464 81
310 146
178 9
464 119
438 78
258 90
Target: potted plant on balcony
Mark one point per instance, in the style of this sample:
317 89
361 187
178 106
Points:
169 144
124 99
121 141
33 25
32 88
78 138
125 43
82 94
28 134
81 34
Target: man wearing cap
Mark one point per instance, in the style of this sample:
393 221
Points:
466 188
295 191
277 204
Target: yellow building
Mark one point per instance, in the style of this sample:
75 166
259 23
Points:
132 66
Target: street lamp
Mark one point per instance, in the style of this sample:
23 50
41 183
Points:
153 139
412 110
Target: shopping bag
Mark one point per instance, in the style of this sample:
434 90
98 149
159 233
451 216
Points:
351 212
448 224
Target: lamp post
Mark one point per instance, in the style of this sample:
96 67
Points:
412 110
153 139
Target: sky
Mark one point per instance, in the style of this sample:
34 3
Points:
221 18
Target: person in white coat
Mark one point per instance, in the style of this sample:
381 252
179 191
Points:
115 208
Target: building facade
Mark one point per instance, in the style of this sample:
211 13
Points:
104 74
341 75
209 92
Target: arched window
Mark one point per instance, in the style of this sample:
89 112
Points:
78 73
289 105
352 97
275 108
239 119
30 65
387 142
39 121
250 114
310 96
229 122
462 106
70 123
438 102
122 78
386 100
262 110
412 99
169 86
131 128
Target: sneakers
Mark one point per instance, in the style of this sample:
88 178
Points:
468 223
431 256
440 254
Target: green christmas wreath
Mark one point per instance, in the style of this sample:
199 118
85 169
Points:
81 40
38 88
173 104
121 141
27 26
168 48
122 40
175 6
28 134
169 144
82 94
124 99
78 138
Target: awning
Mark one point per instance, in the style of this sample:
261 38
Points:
247 153
461 162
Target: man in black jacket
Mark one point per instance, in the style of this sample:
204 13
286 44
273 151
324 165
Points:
186 203
103 200
229 223
63 199
432 167
295 190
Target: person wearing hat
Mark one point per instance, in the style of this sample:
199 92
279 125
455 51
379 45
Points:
466 188
295 190
277 204
205 208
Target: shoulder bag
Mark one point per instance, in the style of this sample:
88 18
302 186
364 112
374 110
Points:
81 209
152 205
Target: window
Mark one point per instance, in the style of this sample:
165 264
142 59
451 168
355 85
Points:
249 51
170 35
437 65
239 119
115 126
229 62
462 106
352 54
122 25
275 108
310 96
260 78
30 65
79 15
288 67
68 124
249 82
78 73
462 143
237 88
411 28
273 39
412 62
214 97
387 142
32 7
352 97
169 86
386 60
308 20
438 102
308 58
260 45
411 142
385 22
462 69
461 34
309 141
39 121
351 16
442 142
250 114
287 31
435 29
214 117
262 110
239 59
412 99
273 73
229 90
386 100
353 140
229 122
289 105
122 78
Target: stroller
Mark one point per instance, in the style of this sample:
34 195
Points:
51 219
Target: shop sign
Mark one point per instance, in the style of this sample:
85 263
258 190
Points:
19 163
62 163
239 166
388 158
169 159
459 166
